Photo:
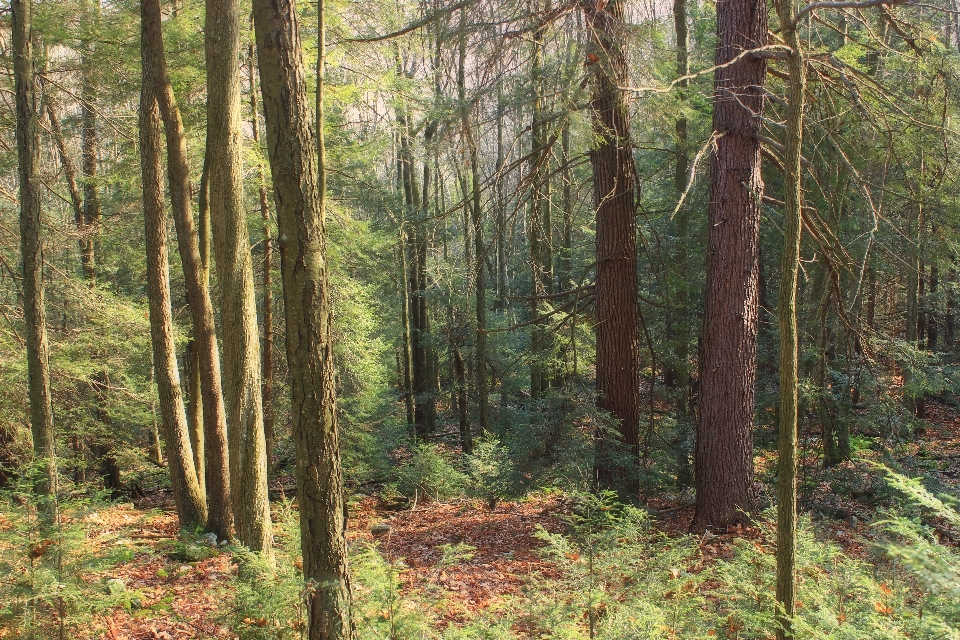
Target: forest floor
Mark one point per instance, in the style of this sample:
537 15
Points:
192 599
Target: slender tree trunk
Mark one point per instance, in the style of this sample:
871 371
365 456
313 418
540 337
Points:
476 219
299 184
31 247
932 326
406 360
681 324
88 152
787 312
617 309
195 413
541 251
215 470
502 287
191 509
231 243
728 367
69 173
267 295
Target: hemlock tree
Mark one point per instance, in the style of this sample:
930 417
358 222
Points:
191 509
728 367
297 157
231 243
214 437
617 306
31 247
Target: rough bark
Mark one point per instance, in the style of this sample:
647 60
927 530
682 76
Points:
300 201
88 153
231 245
724 445
617 310
191 509
31 247
216 470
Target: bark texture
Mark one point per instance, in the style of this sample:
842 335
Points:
31 247
231 245
617 310
191 509
299 199
216 474
724 446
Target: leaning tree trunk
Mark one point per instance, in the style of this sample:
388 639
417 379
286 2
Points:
299 200
31 247
617 308
191 509
787 315
231 244
728 368
216 474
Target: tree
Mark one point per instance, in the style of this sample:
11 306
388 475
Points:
617 308
724 445
191 509
241 354
297 157
217 478
31 247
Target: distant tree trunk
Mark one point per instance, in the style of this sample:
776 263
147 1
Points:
214 470
541 251
932 327
476 219
617 309
681 324
31 247
948 325
724 447
267 294
88 152
69 173
191 509
406 359
502 287
231 244
298 170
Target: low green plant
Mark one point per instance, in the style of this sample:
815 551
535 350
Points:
428 473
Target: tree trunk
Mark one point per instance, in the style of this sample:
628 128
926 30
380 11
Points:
724 446
476 219
231 244
300 202
267 292
69 173
31 247
191 509
787 316
932 327
541 251
681 323
617 310
216 470
88 152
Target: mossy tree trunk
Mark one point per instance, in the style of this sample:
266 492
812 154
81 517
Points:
297 167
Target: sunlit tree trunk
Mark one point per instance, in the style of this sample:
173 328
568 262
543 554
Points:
191 509
88 150
728 366
31 247
298 170
231 244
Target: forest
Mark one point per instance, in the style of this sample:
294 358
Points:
480 319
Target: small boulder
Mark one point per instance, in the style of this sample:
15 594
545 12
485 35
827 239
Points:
380 529
115 586
211 538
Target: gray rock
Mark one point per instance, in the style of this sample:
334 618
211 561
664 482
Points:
211 538
115 586
380 529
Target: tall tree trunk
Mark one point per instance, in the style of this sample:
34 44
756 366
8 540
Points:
728 367
69 173
267 293
787 316
216 470
31 247
299 184
191 509
681 324
479 250
617 309
541 251
88 152
231 244
932 326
